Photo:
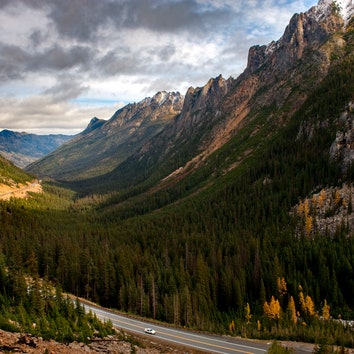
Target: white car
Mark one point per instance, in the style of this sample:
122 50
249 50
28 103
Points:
149 331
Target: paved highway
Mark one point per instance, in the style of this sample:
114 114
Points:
202 342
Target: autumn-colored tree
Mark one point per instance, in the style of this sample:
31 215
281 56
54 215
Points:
310 306
292 310
322 197
248 313
259 325
325 310
272 309
232 326
300 208
337 197
307 306
281 286
308 224
306 207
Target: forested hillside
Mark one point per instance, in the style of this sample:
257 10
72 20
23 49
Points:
204 260
233 240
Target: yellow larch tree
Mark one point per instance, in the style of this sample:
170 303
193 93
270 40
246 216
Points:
307 306
272 309
310 306
308 224
301 299
325 311
337 197
322 197
292 310
248 313
306 207
281 286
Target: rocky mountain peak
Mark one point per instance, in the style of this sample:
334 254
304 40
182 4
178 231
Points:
94 124
162 105
198 100
305 31
171 98
207 95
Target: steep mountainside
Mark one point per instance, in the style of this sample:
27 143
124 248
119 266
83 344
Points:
103 145
23 148
277 81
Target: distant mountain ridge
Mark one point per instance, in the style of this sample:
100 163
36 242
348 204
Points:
24 148
103 145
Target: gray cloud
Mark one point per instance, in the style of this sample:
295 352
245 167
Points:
58 58
66 89
164 53
13 61
83 19
173 15
120 61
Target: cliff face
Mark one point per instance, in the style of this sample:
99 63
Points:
300 58
281 74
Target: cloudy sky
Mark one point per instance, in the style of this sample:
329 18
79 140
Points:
63 62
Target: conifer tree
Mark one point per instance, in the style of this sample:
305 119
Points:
310 306
292 310
325 310
248 313
321 198
281 286
272 309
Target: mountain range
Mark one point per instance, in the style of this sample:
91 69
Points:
212 209
168 136
24 148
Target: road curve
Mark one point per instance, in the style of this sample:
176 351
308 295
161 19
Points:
202 342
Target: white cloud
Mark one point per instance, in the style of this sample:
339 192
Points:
60 59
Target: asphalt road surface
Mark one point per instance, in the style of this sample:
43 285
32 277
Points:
202 342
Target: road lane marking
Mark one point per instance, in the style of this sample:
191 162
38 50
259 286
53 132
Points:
182 338
208 344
